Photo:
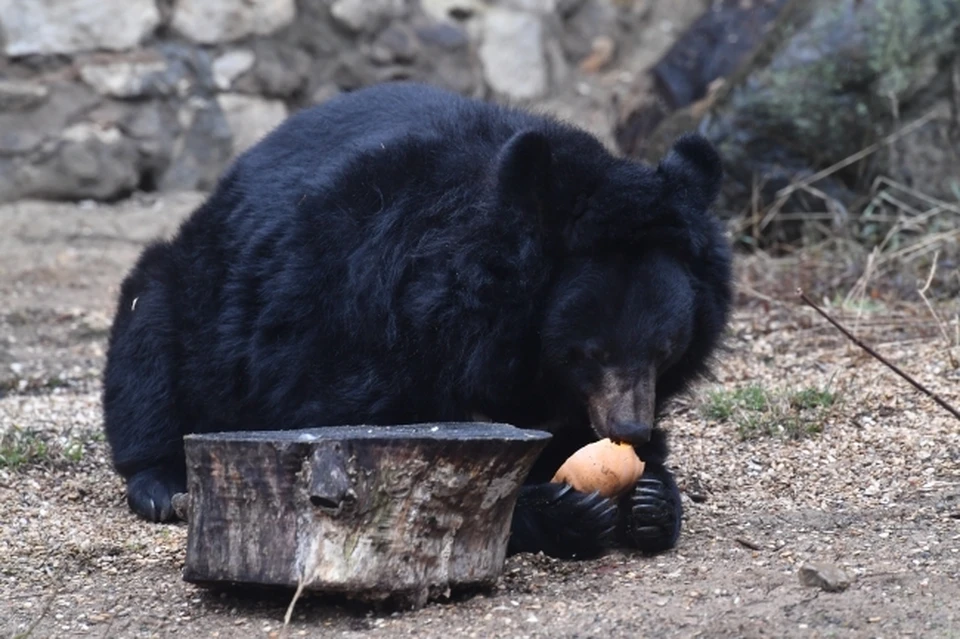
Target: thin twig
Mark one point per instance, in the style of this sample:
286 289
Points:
293 602
920 387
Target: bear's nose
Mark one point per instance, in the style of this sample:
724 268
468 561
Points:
635 433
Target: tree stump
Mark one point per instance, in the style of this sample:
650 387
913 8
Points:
372 512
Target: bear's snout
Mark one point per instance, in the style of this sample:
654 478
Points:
622 408
634 433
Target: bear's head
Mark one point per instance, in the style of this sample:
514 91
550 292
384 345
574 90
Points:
642 285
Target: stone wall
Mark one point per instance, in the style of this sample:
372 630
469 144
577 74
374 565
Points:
101 98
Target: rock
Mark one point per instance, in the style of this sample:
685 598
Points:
69 26
230 66
364 15
154 129
353 71
79 150
281 70
214 21
88 161
188 71
203 149
127 78
21 95
250 118
828 577
581 31
512 54
534 6
24 131
397 44
444 36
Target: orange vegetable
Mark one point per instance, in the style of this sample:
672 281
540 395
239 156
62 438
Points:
601 466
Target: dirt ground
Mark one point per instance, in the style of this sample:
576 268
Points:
876 492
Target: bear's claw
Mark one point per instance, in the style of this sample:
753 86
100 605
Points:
652 513
150 491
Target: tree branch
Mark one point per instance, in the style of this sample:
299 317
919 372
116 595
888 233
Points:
920 387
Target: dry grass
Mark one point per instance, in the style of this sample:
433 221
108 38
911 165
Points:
891 245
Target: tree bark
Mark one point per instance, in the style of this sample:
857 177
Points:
384 512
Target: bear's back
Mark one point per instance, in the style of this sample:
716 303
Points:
394 121
364 222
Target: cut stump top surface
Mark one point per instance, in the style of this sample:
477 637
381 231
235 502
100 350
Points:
453 431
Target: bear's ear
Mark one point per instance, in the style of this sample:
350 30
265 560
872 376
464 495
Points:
524 170
693 171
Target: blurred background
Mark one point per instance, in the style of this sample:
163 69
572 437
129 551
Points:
837 120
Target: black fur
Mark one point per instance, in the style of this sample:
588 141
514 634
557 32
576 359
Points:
402 254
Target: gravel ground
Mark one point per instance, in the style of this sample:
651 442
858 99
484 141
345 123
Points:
875 492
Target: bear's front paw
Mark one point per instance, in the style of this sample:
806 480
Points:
562 522
651 512
150 491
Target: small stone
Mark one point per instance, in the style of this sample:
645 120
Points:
230 66
122 78
828 577
512 54
69 26
213 21
21 95
250 118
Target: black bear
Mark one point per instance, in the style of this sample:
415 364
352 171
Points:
401 254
